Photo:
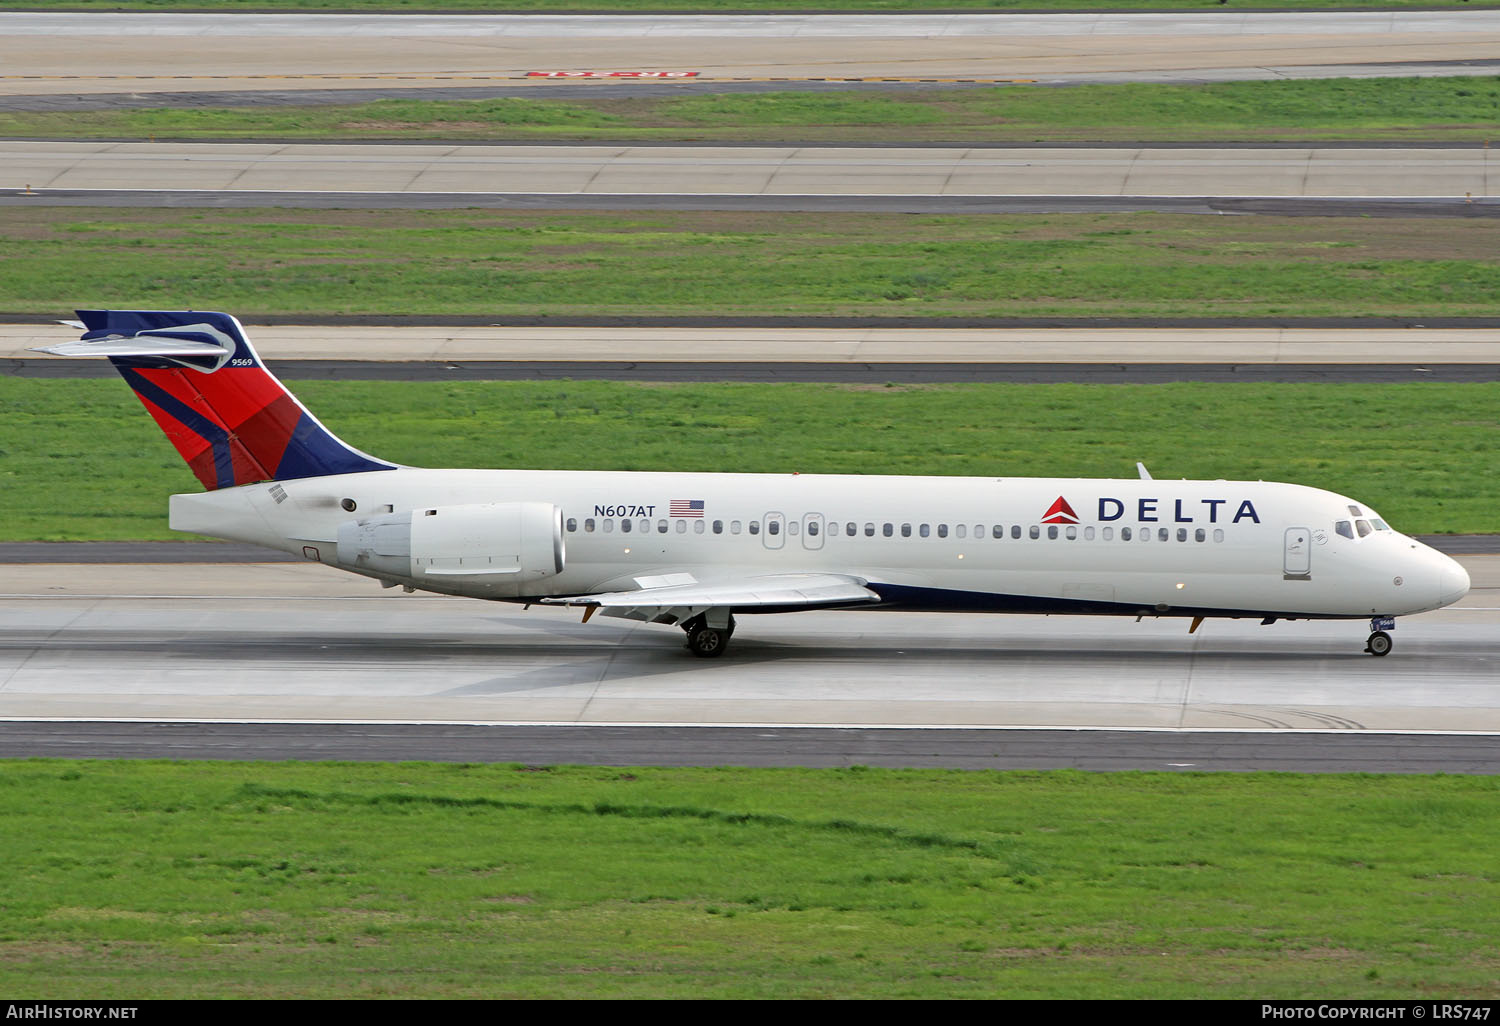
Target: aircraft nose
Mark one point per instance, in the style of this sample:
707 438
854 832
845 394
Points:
1453 584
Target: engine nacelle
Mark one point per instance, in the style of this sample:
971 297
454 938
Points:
496 542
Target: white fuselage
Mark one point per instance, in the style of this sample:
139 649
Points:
986 544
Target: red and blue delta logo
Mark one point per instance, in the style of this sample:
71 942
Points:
1060 513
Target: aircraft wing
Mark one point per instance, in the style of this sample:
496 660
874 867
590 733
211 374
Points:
677 597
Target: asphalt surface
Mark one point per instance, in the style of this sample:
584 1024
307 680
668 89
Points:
359 672
830 373
992 749
61 53
891 175
1291 206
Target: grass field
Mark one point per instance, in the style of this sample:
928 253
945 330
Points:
1429 109
709 263
174 880
82 460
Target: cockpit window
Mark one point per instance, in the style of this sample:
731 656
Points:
1344 528
1380 525
1363 526
1355 512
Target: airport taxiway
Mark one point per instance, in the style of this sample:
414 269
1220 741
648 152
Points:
44 52
292 641
30 169
443 345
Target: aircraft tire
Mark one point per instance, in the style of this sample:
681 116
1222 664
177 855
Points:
1379 644
708 642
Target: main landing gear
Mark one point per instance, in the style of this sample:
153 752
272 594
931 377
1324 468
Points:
1379 642
707 642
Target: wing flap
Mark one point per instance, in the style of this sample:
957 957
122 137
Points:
787 591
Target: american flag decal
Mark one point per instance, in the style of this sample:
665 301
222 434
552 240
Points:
686 507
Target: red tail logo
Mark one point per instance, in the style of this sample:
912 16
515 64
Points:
1060 513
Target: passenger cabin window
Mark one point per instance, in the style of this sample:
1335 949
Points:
1072 533
588 526
1344 528
943 530
998 531
572 525
718 527
906 530
869 531
1036 532
1015 530
925 530
1052 531
887 529
755 527
625 525
734 527
609 526
697 527
1124 534
661 526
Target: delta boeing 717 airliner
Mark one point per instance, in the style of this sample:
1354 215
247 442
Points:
696 550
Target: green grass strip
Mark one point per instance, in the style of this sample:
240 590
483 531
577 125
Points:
1401 110
709 263
82 460
190 880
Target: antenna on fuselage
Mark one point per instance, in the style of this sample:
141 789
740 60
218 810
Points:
1141 468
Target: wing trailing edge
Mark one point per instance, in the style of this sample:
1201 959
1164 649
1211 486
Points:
673 603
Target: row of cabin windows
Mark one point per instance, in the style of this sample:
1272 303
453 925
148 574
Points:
889 530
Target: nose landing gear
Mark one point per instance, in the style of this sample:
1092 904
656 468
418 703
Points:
1379 642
